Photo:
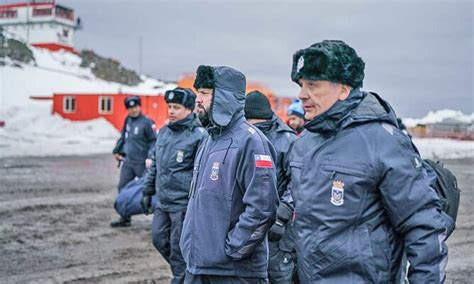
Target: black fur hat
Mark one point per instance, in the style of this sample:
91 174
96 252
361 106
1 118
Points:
204 77
132 101
331 60
185 97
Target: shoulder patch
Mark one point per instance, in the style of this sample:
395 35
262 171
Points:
263 161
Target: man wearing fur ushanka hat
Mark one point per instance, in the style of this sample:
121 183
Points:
362 193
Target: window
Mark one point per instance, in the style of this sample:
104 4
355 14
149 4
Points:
69 104
39 12
8 14
65 13
105 105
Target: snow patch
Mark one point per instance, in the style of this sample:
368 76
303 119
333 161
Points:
33 131
437 148
439 116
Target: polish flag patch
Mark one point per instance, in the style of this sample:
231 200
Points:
263 161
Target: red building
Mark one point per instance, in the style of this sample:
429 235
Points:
79 107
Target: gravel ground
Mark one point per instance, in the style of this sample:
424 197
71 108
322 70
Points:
55 214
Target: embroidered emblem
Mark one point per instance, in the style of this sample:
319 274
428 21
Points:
337 193
300 64
180 156
215 171
263 161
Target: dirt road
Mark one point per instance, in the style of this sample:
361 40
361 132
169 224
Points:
55 214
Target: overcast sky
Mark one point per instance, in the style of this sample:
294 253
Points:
418 54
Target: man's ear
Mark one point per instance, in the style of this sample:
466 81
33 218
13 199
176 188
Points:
344 92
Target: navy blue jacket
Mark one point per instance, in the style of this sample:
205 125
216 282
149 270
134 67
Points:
233 193
172 163
136 140
361 197
282 138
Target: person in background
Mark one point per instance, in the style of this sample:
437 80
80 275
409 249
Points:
170 176
133 148
296 117
281 266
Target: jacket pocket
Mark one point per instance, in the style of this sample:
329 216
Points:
212 220
345 190
295 170
330 255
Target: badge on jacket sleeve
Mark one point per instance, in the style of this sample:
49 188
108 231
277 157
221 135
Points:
337 193
215 171
180 156
263 161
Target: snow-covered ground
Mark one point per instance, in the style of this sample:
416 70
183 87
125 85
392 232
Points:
439 116
32 131
437 148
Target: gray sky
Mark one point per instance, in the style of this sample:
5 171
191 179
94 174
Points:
418 54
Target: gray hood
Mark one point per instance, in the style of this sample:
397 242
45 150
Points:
229 95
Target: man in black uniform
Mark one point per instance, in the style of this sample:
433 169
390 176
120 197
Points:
170 176
133 148
281 265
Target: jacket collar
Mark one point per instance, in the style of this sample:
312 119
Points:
187 122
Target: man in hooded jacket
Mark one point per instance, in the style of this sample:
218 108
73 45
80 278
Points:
233 197
170 176
362 195
281 244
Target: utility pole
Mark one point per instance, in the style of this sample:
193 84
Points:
140 54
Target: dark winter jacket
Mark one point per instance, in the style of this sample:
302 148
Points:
282 137
136 140
171 171
233 194
361 197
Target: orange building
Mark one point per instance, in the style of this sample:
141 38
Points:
80 107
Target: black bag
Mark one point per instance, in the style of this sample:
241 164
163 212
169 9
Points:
446 187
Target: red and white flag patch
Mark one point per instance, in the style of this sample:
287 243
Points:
263 161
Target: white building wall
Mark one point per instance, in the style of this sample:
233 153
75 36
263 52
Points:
40 29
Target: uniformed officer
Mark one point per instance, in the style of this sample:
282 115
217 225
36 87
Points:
133 148
362 195
170 176
281 244
233 198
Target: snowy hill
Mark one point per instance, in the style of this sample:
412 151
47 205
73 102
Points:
60 72
30 128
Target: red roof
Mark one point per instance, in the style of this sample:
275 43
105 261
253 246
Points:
26 4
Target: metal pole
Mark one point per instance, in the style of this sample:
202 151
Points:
140 54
